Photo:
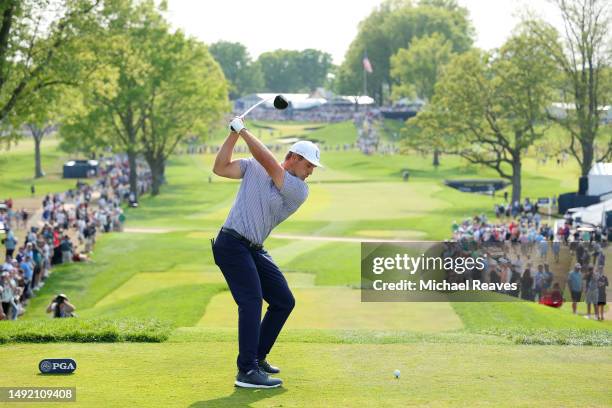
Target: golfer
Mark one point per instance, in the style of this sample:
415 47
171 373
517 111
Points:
269 193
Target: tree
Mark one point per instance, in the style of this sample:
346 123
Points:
584 57
243 74
488 108
40 116
159 88
393 26
36 36
188 96
417 69
314 65
114 106
280 70
294 71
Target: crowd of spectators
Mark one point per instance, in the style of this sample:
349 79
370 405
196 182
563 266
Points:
28 264
516 250
368 138
64 232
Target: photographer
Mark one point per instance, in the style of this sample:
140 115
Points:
60 307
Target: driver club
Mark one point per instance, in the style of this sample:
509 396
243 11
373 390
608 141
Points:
279 103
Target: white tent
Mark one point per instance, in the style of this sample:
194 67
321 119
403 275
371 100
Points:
593 214
600 179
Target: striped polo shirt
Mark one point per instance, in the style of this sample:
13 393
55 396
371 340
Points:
260 205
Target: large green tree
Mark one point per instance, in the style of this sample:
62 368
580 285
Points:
280 70
114 108
243 74
38 41
416 69
583 54
314 65
489 108
392 26
159 88
187 97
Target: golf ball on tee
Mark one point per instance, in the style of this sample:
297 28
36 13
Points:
396 373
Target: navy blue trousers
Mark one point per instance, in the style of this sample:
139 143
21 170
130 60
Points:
252 276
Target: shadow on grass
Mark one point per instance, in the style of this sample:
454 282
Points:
239 398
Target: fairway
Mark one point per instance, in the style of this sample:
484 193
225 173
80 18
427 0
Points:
334 350
341 308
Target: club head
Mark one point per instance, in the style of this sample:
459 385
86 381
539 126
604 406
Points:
280 102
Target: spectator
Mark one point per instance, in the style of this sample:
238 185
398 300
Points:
24 217
61 307
66 249
543 246
602 284
574 282
539 282
10 242
548 278
9 287
28 274
556 248
527 285
591 291
3 316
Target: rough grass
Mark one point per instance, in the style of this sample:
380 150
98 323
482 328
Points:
84 330
565 337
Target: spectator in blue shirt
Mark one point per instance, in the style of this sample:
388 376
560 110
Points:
28 273
574 282
10 242
538 282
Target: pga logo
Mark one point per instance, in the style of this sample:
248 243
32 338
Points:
57 366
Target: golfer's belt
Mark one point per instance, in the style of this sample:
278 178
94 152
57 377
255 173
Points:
239 237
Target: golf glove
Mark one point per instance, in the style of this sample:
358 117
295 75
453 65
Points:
236 125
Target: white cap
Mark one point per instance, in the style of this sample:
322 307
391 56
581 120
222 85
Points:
307 150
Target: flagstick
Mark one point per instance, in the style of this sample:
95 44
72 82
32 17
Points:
365 82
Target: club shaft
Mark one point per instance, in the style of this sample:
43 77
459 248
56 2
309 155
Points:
254 106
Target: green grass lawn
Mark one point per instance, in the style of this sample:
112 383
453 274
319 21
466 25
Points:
17 170
336 350
196 374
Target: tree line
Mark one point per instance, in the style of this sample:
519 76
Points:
489 106
273 71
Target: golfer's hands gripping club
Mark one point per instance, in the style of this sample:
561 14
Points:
237 124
